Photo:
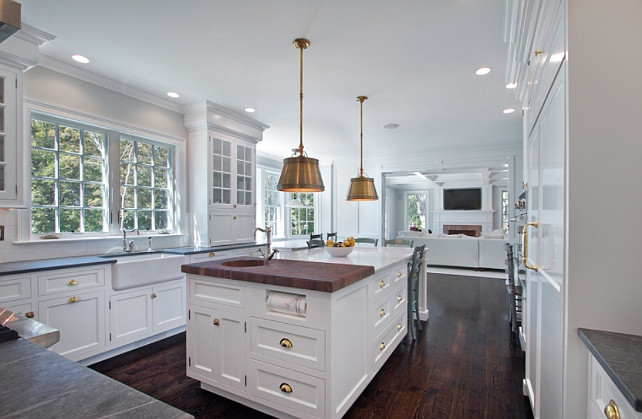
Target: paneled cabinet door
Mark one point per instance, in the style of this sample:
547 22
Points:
130 316
231 226
10 116
168 306
216 347
80 318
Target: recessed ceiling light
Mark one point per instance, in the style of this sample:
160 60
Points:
482 71
391 126
173 95
80 58
509 110
250 110
511 85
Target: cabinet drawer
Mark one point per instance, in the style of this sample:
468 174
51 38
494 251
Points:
387 341
288 343
381 283
299 394
214 255
23 309
602 391
212 291
15 288
70 281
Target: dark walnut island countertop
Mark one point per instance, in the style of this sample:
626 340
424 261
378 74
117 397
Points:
316 276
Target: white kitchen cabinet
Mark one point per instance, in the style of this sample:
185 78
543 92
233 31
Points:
216 347
602 391
222 170
11 164
142 312
80 318
314 363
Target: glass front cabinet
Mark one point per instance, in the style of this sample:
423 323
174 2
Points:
11 188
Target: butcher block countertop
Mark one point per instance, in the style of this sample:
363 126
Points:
312 269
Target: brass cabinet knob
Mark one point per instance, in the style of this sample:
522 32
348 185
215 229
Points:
30 314
153 295
72 282
399 274
382 284
285 387
538 52
286 343
611 411
73 300
234 217
399 326
211 254
234 206
217 322
399 298
382 346
382 312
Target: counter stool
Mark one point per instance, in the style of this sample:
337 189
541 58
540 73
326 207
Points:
316 240
414 271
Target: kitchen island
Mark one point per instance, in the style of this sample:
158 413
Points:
301 336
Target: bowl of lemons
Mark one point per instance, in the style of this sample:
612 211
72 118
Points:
340 249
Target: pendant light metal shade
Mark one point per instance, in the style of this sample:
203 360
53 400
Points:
300 173
362 188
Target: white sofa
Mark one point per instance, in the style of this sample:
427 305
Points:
463 251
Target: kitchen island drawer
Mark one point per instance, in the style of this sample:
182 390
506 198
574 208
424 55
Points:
387 341
216 291
295 393
285 342
14 288
70 281
383 281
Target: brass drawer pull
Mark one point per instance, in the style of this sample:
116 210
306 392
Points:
30 314
153 295
217 322
382 346
399 326
611 411
73 300
211 254
399 274
382 284
538 52
286 343
382 312
72 282
399 298
285 387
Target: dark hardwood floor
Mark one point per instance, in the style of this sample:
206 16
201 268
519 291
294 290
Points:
465 364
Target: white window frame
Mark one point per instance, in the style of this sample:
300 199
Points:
315 207
406 225
260 216
114 130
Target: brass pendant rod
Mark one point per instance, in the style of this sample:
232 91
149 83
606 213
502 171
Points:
361 99
301 44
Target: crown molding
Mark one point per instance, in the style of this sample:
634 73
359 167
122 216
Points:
33 35
107 83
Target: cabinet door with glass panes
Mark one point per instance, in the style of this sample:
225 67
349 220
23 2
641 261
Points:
11 192
232 173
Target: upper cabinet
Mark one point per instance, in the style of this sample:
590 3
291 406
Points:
11 188
222 174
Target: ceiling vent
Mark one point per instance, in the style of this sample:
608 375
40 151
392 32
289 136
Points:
9 18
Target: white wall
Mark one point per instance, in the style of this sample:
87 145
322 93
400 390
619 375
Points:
78 99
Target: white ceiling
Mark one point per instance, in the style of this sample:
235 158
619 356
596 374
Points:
415 59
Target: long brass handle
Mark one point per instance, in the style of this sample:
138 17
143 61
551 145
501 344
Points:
382 312
30 314
217 322
611 410
72 282
285 387
73 300
382 284
286 343
525 239
382 346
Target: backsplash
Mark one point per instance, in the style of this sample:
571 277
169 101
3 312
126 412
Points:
50 249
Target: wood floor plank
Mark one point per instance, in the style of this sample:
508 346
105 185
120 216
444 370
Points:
464 364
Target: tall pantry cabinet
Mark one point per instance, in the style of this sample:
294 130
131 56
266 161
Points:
221 174
577 64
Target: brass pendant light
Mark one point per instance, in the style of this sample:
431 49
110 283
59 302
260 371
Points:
362 188
300 173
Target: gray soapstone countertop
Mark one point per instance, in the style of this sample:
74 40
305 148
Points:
621 357
9 268
39 383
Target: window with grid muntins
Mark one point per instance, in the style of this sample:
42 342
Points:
68 177
302 220
145 193
271 202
